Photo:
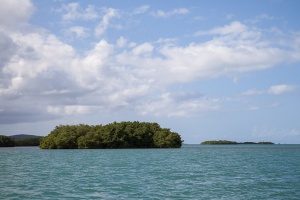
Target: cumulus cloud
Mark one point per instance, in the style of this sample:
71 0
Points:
280 89
253 92
110 13
164 14
13 13
262 107
174 105
275 89
42 77
141 9
144 48
77 31
215 58
72 109
121 42
261 17
73 11
7 48
233 28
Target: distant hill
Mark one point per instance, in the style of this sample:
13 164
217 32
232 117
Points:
24 136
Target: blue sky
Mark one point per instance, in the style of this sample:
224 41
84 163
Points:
208 70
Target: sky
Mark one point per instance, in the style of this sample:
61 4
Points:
208 70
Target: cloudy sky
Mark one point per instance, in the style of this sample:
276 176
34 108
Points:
208 70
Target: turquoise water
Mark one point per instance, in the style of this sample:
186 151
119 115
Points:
192 172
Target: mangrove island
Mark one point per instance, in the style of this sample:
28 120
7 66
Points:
232 142
115 135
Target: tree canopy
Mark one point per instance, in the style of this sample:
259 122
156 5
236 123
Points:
114 135
27 142
232 142
219 142
9 141
6 141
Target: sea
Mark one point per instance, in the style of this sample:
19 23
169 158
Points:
191 172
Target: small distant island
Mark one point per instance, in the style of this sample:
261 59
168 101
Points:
115 135
232 142
19 140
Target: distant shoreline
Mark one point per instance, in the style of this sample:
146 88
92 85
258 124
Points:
227 142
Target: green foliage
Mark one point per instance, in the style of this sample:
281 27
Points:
265 143
165 138
64 137
6 141
232 142
27 142
219 142
114 135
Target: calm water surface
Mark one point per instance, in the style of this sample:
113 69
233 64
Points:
192 172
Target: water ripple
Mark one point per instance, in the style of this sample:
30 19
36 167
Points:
200 172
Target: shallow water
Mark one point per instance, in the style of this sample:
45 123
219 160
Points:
191 172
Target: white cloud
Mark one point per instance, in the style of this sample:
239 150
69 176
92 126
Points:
164 14
132 44
75 12
268 132
168 104
91 70
261 17
276 89
78 109
144 48
38 50
72 109
54 91
121 42
141 9
252 92
216 58
7 49
110 13
41 71
234 28
262 107
14 12
167 40
229 16
253 108
77 31
280 89
54 110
